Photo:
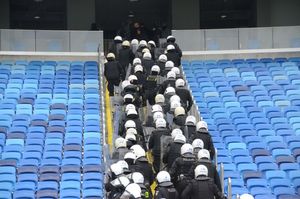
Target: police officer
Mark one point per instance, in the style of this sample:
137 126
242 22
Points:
121 148
150 85
134 45
172 40
168 67
147 62
197 146
203 134
131 137
173 150
123 164
169 82
139 51
202 186
180 170
160 100
179 117
173 55
165 188
113 73
138 178
125 55
190 126
130 158
116 46
116 187
142 165
204 159
161 62
184 94
156 138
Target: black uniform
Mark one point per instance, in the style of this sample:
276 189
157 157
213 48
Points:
212 171
185 97
138 123
162 68
115 47
147 64
142 165
113 73
172 153
173 56
125 57
114 188
151 88
146 192
179 122
178 50
166 190
202 187
167 83
204 135
155 145
189 131
180 171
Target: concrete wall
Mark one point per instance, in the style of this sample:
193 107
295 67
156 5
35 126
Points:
185 14
278 13
80 14
4 14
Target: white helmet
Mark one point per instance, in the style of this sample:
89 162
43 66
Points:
176 132
171 74
123 164
137 178
170 37
162 58
156 108
175 98
180 139
138 68
125 83
246 196
128 97
201 124
163 176
132 79
198 143
147 55
155 68
169 64
143 43
145 50
152 43
201 170
130 137
203 153
134 190
131 112
126 43
129 155
157 115
159 98
130 124
131 131
179 111
138 151
134 42
190 120
170 90
110 55
124 181
160 123
170 47
136 61
179 83
174 105
118 38
176 71
120 142
116 169
128 107
186 148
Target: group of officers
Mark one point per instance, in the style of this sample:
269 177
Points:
181 149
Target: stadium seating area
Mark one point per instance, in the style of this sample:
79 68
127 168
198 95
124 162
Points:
252 108
50 137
